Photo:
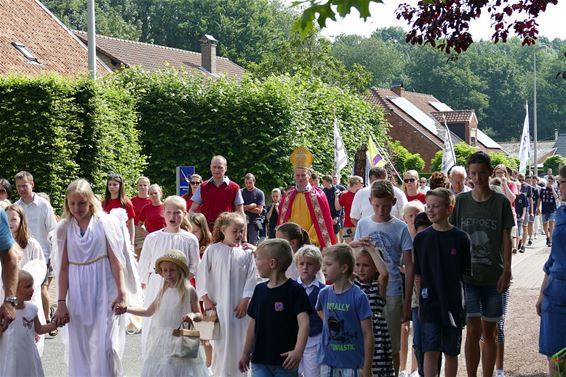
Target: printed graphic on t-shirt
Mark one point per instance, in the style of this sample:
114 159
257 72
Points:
384 242
340 338
481 246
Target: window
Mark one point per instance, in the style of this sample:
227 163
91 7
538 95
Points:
25 52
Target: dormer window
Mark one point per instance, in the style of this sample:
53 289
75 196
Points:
25 52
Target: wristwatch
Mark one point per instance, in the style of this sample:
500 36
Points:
11 300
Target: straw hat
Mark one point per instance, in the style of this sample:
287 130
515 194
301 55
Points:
174 256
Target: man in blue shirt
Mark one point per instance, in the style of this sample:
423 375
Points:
9 273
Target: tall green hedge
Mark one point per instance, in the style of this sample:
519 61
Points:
185 120
60 129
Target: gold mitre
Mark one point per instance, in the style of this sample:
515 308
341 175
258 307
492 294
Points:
301 158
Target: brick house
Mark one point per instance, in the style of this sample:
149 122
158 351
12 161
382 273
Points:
120 53
33 41
417 122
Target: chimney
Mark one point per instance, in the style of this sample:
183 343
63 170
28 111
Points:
397 88
208 53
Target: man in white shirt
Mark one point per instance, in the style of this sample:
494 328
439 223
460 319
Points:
41 221
458 180
361 206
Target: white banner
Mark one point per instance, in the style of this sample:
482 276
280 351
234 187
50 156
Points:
340 155
448 156
525 144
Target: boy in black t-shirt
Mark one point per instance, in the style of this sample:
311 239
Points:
442 258
279 311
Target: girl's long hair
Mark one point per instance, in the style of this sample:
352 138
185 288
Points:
293 231
82 187
181 285
124 200
23 233
198 220
224 220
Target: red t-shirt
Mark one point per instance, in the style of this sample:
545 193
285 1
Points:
346 200
115 203
138 204
188 199
420 197
152 217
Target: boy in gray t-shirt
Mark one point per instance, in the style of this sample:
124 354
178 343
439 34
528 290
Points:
390 235
487 218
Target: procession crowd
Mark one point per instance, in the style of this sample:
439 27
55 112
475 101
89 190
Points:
325 281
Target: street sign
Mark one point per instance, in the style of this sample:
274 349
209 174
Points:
183 175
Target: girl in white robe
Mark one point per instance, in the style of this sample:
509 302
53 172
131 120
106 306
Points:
226 279
176 302
31 250
90 260
18 353
156 244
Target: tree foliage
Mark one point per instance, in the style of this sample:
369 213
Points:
62 129
555 163
254 123
463 151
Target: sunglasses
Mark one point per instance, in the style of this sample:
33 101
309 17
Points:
409 180
195 183
114 176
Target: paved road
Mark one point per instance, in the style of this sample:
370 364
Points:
522 326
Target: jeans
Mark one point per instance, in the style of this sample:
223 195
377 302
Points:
264 370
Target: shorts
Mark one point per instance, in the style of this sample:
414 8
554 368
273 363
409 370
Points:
264 370
530 218
438 338
484 302
546 217
393 312
328 371
519 228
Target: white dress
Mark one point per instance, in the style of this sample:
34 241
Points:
155 245
160 344
33 251
96 335
227 274
18 353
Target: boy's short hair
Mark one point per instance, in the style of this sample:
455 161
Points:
479 157
354 179
443 194
249 176
382 189
377 172
24 274
422 220
24 175
280 250
327 178
413 204
309 251
343 254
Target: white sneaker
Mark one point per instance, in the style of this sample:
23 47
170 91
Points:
404 373
414 374
499 373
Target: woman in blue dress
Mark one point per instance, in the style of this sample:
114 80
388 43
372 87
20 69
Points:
551 305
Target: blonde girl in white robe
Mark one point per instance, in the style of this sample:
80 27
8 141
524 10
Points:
226 279
176 235
176 303
89 259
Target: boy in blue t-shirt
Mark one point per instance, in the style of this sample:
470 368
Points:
347 334
442 258
521 209
391 235
279 311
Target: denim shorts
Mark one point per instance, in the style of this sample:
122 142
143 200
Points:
438 338
264 370
484 302
328 371
530 218
546 217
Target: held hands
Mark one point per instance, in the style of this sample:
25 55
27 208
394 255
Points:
241 309
292 359
244 363
192 317
7 315
208 303
61 316
119 305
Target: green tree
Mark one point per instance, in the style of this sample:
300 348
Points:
554 163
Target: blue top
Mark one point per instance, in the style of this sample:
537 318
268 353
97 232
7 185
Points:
548 200
6 239
342 338
556 263
521 204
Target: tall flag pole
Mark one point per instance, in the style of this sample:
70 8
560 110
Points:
340 155
525 143
448 156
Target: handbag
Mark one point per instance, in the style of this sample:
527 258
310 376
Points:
186 342
209 327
